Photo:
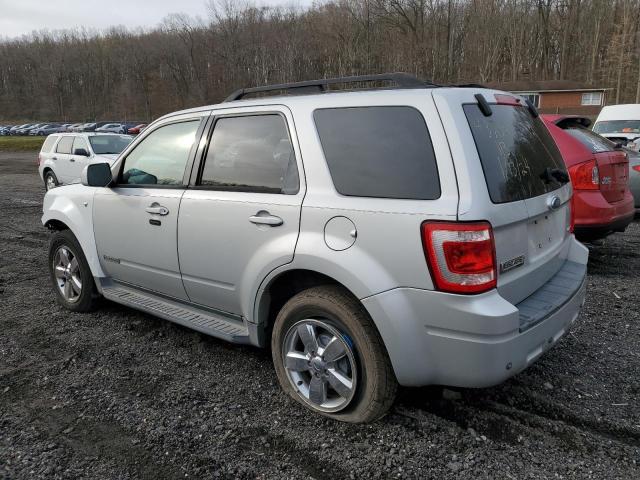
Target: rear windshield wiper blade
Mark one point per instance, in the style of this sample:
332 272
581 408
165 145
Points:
556 174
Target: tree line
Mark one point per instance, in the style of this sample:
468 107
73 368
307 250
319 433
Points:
126 74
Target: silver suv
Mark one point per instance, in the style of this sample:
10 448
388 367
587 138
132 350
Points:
412 234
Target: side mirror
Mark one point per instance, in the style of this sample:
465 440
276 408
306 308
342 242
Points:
97 175
81 152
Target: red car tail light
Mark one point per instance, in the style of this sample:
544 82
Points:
585 176
461 256
636 168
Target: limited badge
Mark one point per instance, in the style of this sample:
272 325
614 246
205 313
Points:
511 264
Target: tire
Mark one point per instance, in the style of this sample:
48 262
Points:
332 313
83 298
50 180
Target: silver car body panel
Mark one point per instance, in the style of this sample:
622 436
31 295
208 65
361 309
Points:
210 258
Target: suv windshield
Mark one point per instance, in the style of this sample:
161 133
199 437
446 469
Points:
109 144
516 151
617 126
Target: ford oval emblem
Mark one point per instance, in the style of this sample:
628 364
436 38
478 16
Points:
554 202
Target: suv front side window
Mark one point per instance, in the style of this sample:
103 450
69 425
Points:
251 153
161 157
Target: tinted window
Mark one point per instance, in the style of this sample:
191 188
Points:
64 145
109 144
251 153
161 157
515 150
594 142
80 143
48 144
379 152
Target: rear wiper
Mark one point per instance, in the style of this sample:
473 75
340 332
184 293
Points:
556 174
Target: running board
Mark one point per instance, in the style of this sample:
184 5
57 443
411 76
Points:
204 321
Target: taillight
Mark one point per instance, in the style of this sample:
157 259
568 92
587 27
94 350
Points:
585 176
636 168
461 256
39 159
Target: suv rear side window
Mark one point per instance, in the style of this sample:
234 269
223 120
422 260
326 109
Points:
64 145
383 152
594 142
515 149
251 153
48 144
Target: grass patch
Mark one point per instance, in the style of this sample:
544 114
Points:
21 144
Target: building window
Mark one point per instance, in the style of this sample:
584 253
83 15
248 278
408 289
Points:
592 98
534 98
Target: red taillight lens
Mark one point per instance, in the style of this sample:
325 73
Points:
461 256
39 159
636 168
585 176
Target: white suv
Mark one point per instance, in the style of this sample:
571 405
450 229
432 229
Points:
64 156
415 235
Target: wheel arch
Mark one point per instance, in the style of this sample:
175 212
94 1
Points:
282 286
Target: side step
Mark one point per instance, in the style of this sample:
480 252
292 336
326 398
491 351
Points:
205 321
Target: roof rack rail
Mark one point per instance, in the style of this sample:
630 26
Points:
402 80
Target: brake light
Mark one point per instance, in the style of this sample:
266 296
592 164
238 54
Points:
39 159
502 99
461 256
636 168
585 176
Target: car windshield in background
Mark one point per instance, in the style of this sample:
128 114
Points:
515 150
594 142
109 144
617 126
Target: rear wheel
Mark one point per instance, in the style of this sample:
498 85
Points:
70 273
329 356
50 180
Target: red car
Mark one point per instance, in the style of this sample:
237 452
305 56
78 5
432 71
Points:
137 129
599 169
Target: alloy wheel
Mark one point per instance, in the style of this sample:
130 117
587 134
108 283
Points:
50 182
66 270
320 364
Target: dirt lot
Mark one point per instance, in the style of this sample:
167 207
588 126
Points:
120 394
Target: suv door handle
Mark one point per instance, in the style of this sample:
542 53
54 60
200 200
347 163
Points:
72 159
265 218
156 209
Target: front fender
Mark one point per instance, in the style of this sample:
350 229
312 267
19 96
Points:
73 206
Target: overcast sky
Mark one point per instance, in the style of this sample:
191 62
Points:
20 17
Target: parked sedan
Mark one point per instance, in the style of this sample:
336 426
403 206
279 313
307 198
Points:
63 156
137 129
602 202
48 129
110 128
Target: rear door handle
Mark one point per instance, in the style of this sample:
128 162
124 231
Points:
265 218
72 159
156 209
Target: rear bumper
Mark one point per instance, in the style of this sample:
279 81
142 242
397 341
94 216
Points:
469 341
597 218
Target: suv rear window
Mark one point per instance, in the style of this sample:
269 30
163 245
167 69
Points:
594 142
48 144
515 149
383 152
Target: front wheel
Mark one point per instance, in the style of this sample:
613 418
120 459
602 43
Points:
50 180
70 273
329 356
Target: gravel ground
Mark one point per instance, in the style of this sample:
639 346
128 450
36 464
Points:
121 394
